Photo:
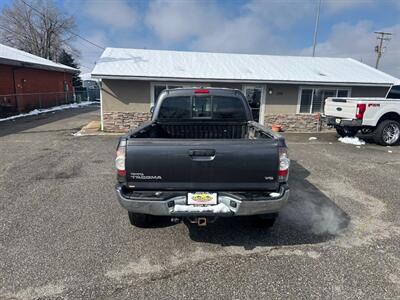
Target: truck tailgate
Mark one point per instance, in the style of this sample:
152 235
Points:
202 165
340 108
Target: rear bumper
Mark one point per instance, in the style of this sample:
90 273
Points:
229 205
333 121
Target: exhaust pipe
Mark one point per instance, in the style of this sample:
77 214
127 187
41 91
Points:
201 222
176 220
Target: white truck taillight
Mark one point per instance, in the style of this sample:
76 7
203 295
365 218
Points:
120 159
284 163
361 108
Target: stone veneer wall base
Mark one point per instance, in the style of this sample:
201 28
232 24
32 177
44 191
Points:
296 122
124 121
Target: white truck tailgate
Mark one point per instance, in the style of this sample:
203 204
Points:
340 108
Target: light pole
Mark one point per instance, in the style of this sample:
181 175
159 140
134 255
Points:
381 36
316 28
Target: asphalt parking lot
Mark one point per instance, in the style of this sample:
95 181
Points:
63 234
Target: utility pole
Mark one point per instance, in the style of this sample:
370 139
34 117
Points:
316 28
379 49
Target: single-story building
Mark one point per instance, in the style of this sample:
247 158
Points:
88 81
28 81
288 90
90 88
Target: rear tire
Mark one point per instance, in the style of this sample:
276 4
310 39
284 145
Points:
140 220
346 131
265 221
387 133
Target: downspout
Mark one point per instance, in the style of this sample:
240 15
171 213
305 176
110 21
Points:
101 106
15 89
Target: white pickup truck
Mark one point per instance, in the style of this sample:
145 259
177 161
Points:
377 116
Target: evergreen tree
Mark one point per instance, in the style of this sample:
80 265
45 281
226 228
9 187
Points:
67 59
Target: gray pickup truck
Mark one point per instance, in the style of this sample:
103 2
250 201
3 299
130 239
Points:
201 157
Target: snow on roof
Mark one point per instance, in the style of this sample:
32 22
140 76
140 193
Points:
87 76
204 66
9 55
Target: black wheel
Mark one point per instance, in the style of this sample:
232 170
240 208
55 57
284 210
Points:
140 220
346 131
387 133
265 221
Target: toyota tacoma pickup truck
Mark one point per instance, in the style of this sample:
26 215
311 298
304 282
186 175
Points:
201 156
377 116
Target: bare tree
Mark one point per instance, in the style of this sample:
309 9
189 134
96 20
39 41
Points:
37 27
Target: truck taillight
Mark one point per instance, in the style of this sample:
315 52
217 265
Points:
284 163
361 107
120 159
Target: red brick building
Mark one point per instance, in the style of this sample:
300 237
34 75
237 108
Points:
28 82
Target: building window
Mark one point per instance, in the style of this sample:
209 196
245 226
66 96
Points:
159 88
312 100
157 91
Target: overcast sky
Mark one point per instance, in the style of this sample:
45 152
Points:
253 26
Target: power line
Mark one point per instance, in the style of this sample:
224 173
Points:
379 49
9 30
71 32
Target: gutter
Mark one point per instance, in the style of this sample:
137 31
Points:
18 63
202 80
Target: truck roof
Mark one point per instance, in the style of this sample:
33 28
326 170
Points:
211 90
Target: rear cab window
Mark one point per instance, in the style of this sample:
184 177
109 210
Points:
202 107
175 108
394 92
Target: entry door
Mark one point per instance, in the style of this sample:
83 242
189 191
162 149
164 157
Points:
255 95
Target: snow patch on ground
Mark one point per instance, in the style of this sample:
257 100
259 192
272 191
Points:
219 208
53 109
352 141
312 138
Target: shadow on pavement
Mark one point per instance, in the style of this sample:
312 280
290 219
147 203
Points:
309 217
29 122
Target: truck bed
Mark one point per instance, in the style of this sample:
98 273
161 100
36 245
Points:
202 140
202 130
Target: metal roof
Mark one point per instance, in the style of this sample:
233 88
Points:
119 63
12 56
87 76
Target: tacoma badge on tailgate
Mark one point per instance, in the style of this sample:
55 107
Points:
141 176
